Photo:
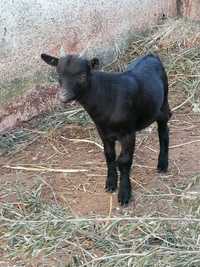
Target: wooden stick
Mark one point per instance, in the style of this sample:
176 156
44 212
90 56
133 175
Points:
45 169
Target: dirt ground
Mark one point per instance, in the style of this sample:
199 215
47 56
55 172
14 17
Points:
83 192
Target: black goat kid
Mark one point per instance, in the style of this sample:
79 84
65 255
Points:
119 104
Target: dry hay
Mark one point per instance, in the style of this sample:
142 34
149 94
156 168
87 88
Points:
31 227
180 33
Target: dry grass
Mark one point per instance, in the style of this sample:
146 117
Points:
17 139
31 227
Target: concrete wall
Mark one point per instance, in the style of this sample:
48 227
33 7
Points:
191 8
30 27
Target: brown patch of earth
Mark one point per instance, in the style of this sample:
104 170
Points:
83 192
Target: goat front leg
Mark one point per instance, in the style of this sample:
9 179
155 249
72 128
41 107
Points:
110 155
124 164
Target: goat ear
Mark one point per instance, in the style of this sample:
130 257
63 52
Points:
53 61
94 63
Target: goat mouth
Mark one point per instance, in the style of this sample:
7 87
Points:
65 98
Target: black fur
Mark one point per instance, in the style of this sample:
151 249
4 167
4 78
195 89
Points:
120 104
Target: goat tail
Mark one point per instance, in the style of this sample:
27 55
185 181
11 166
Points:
166 88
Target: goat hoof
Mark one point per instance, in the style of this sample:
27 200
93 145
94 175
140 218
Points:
124 198
162 170
110 186
162 167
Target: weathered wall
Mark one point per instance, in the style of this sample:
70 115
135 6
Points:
188 8
30 27
191 8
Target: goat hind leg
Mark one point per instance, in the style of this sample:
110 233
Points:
163 133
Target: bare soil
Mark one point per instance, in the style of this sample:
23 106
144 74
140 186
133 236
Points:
83 192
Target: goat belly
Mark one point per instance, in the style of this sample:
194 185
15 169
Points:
141 124
146 118
148 109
